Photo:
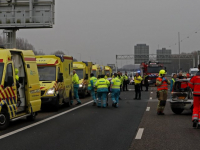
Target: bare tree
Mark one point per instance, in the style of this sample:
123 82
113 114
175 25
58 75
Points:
58 52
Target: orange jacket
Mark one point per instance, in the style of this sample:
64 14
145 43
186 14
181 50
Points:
195 84
163 86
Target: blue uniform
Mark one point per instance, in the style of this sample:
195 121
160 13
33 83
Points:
102 90
75 81
115 88
91 87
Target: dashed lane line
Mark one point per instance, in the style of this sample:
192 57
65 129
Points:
139 134
148 109
42 121
150 98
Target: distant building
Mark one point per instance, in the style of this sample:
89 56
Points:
141 52
164 55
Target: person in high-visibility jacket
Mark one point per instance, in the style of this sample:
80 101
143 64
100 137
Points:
115 89
102 90
138 80
75 81
162 89
91 87
172 82
106 76
125 81
194 84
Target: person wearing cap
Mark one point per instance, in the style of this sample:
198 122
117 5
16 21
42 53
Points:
162 89
138 81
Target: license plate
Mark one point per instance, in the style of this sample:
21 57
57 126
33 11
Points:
181 97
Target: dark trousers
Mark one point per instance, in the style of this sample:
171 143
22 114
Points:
125 86
137 91
147 86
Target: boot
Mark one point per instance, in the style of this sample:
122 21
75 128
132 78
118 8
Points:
135 98
78 103
94 104
195 122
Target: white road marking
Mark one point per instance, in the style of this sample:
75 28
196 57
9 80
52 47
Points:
150 98
42 121
139 133
131 89
151 92
148 109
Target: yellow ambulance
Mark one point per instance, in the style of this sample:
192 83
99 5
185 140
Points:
83 70
108 70
19 86
55 75
96 70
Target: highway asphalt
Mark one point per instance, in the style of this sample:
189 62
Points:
168 132
84 127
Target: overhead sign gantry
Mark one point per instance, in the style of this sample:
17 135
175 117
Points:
25 14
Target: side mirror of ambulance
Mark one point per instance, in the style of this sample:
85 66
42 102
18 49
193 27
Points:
60 77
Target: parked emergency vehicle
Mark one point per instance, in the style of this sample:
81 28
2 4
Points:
96 70
151 68
55 72
83 70
108 70
18 98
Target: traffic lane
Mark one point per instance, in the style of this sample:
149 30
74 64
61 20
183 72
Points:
86 128
43 114
166 132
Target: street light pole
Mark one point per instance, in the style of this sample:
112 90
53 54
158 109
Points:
179 47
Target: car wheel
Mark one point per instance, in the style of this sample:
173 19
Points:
4 119
32 116
177 110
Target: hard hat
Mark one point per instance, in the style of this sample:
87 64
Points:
162 72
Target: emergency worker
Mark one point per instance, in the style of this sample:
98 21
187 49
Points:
75 81
162 89
146 82
115 89
17 77
137 80
102 90
119 77
194 84
106 76
91 87
125 81
172 82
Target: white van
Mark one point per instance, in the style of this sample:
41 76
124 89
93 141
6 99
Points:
193 71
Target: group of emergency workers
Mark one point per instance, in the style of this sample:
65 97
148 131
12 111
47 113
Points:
194 83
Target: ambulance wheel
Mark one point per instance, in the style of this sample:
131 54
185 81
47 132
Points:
177 110
4 119
32 116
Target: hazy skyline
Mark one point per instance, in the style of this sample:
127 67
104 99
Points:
100 29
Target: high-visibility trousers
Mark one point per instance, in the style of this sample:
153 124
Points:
196 108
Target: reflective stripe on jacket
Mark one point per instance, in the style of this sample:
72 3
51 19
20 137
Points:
102 85
92 82
75 80
116 83
195 84
138 80
161 85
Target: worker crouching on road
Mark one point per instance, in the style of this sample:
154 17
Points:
115 89
138 80
102 90
162 89
91 87
75 81
195 85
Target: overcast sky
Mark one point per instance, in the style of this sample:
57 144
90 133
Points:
100 29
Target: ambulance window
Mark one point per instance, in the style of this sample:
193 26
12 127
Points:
9 73
58 72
